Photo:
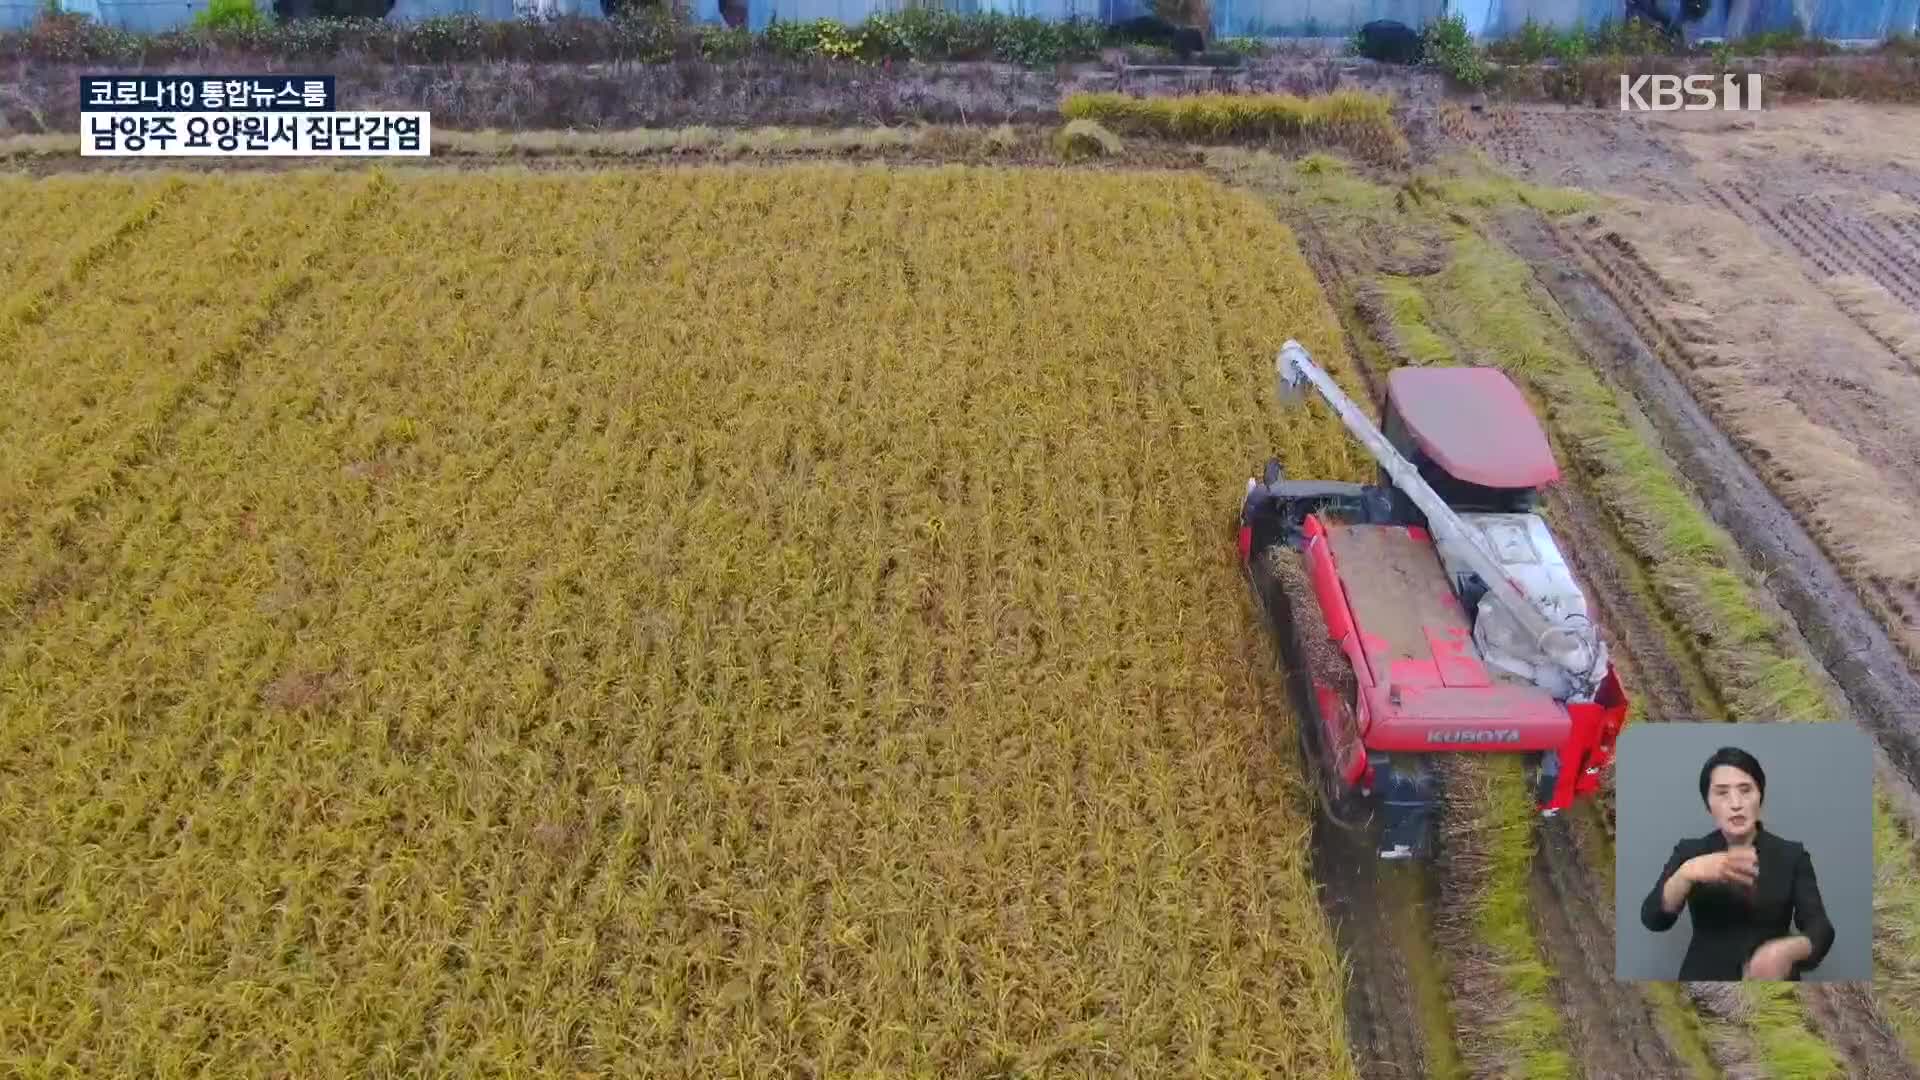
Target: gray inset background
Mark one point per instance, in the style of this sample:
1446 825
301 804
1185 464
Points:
1819 793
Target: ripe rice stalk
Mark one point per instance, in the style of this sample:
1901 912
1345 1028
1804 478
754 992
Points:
1358 121
680 619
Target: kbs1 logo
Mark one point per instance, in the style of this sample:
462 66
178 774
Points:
1663 93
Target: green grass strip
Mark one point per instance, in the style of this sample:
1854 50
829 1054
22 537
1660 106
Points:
1531 1029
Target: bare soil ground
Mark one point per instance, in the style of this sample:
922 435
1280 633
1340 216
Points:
1610 1024
1844 634
1848 1016
1758 300
1377 912
1772 262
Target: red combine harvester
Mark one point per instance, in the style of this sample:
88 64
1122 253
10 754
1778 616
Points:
1431 612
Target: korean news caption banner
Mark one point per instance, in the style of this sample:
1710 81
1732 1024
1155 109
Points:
237 116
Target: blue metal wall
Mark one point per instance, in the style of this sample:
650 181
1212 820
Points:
415 10
1837 19
1498 18
15 15
1231 18
140 16
1866 20
760 13
1316 18
1863 19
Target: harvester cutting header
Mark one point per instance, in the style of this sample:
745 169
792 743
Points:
1432 611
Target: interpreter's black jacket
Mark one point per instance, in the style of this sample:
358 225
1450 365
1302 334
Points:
1727 927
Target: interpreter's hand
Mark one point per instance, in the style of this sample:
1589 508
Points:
1736 866
1774 960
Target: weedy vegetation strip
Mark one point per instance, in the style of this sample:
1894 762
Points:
835 667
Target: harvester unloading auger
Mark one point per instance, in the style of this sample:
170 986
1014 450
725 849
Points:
1431 612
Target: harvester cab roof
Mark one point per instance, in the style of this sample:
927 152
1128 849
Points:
1472 435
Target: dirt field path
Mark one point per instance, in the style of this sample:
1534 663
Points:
1853 646
1379 914
1639 330
1848 1016
1773 264
1611 1025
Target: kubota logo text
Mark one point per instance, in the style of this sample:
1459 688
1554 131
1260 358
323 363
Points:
1474 735
1662 93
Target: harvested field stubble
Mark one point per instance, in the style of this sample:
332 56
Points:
680 622
1474 299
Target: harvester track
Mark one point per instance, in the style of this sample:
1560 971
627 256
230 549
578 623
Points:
1610 1025
1837 243
1853 1025
1376 909
1831 239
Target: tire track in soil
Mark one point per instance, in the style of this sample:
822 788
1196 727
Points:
1570 892
1614 296
1609 1023
1376 910
1380 911
1857 417
1825 240
1852 1024
1829 237
1897 264
1367 902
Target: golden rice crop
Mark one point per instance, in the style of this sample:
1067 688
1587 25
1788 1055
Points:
55 228
681 622
1361 120
36 232
126 351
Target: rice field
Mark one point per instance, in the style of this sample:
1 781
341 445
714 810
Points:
679 622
